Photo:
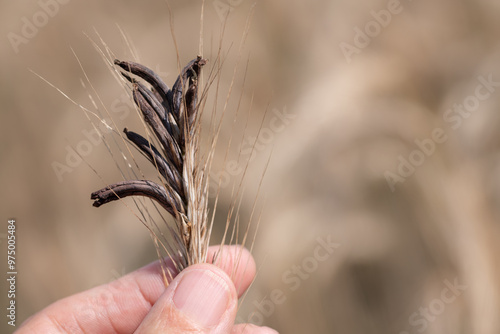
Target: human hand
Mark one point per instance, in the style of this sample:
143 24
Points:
201 299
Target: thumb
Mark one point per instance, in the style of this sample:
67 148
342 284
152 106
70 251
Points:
201 299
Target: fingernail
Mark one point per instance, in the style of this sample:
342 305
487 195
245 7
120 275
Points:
202 296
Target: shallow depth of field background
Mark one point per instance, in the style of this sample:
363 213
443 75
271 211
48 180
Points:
350 122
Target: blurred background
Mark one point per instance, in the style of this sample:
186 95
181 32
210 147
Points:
382 193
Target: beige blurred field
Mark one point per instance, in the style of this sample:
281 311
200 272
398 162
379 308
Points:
339 249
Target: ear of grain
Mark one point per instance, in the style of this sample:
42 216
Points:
172 115
170 141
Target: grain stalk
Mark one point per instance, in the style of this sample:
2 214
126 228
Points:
172 122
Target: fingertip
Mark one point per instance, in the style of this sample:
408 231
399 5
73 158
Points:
204 294
201 298
237 262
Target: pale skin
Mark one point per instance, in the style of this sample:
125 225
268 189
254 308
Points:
202 299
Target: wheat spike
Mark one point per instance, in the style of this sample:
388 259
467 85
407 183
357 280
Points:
173 116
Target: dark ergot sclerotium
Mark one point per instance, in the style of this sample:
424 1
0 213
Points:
173 116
